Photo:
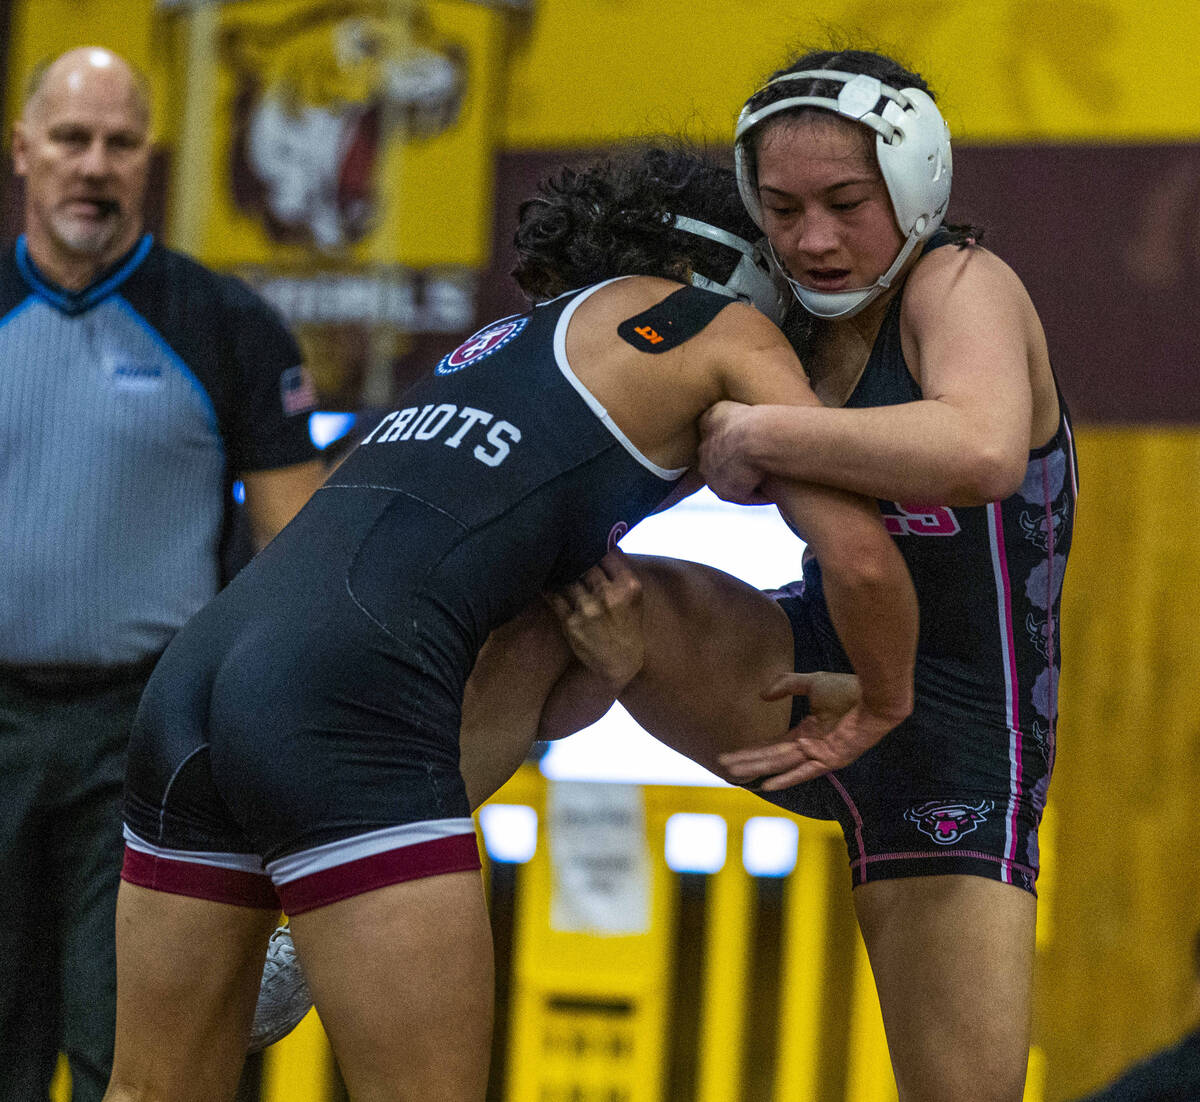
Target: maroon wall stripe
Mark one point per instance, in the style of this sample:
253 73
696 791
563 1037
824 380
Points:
1106 238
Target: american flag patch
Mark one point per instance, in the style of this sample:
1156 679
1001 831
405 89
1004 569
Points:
296 391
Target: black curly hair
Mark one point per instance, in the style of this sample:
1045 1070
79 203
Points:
616 217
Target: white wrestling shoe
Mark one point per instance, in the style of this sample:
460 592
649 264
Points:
283 997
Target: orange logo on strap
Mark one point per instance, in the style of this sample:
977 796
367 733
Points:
648 334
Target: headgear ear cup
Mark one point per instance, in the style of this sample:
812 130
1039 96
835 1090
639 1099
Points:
917 165
753 280
912 147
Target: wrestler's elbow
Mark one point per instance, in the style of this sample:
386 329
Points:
987 474
865 563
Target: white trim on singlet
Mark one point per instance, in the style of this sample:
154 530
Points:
330 855
560 356
1008 662
237 862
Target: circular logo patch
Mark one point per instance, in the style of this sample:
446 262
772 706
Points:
480 346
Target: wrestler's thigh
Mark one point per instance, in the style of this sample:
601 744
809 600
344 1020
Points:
953 963
713 645
187 975
412 1019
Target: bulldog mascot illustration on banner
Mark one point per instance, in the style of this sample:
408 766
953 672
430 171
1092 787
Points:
319 94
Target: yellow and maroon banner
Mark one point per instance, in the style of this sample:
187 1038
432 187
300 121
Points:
340 153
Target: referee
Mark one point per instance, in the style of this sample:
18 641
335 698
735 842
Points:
135 386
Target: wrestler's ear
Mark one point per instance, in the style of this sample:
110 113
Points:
20 148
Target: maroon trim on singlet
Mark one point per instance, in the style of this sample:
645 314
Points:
457 853
218 885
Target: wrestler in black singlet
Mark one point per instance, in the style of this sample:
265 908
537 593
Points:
307 719
961 784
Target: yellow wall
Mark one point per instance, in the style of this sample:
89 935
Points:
42 29
579 73
1009 70
1127 781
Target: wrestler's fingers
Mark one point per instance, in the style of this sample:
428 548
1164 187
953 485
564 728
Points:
777 772
761 760
809 771
593 578
559 603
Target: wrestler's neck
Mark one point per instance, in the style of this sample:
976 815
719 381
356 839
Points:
841 348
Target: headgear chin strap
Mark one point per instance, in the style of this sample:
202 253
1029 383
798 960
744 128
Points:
755 279
912 146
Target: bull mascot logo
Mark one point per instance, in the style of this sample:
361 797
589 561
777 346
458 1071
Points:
1038 630
947 823
317 96
1040 529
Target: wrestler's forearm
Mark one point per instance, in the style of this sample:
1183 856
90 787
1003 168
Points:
867 587
505 696
500 726
925 451
873 608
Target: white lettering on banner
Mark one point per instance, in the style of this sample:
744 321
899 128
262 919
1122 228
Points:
430 303
430 422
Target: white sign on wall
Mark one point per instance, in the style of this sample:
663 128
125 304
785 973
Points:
600 866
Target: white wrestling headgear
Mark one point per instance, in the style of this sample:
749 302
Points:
754 280
912 146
